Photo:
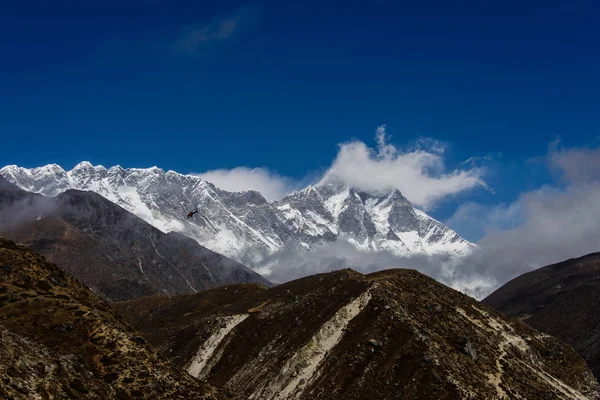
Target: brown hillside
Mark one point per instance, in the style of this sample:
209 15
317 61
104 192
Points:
389 335
58 340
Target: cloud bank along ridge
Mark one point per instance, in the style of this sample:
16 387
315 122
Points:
544 226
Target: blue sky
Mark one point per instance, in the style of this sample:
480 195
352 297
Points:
197 86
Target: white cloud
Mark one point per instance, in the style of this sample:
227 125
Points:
270 184
576 165
544 226
473 220
288 263
419 173
558 225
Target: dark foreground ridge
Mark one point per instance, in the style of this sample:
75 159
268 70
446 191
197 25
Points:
342 335
115 253
561 300
58 340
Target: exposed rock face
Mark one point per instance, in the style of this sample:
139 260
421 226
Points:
561 300
112 251
58 340
388 335
243 225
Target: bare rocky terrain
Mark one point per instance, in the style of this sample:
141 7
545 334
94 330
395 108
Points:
562 300
60 341
388 335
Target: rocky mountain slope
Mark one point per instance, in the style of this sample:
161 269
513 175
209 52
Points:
59 341
560 299
243 225
115 253
388 335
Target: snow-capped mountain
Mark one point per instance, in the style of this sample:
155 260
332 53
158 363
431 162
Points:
371 221
245 226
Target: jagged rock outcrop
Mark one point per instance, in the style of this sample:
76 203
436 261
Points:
59 341
388 335
243 225
112 251
561 300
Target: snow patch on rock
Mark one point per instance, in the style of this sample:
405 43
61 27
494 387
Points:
301 368
197 366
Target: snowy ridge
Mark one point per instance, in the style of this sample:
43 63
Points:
243 225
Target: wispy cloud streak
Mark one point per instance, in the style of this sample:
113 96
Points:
220 28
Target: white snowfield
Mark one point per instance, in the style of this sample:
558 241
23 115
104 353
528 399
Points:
243 225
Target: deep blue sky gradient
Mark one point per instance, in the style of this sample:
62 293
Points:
105 82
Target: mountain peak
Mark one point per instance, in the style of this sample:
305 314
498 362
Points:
116 168
333 186
310 190
84 165
395 196
51 167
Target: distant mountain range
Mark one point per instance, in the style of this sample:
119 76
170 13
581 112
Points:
244 225
112 251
